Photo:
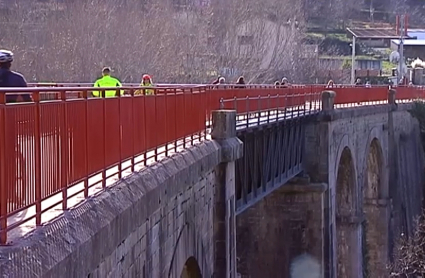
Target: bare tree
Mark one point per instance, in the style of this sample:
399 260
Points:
261 38
409 260
73 40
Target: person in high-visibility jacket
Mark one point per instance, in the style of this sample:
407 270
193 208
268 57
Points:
107 81
146 82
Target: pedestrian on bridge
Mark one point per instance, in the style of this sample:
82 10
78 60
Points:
285 83
216 81
10 78
240 83
146 82
358 83
330 84
107 81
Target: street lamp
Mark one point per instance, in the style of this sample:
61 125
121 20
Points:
401 50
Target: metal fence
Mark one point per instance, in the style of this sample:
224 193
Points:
51 146
283 104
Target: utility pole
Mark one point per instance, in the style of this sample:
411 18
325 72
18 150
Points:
353 60
371 11
403 27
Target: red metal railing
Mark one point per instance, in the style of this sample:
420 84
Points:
47 147
63 147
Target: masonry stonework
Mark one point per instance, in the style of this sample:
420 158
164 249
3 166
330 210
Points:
355 151
285 225
147 225
159 222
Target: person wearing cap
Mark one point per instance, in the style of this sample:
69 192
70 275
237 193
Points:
10 78
107 81
146 82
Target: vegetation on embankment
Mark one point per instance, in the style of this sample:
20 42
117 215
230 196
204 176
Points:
409 256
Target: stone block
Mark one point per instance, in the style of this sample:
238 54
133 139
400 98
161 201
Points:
223 124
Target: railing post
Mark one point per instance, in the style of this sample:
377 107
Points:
224 133
63 135
37 139
86 153
118 93
3 186
328 100
104 115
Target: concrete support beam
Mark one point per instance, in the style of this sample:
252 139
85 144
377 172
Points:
392 97
224 132
328 100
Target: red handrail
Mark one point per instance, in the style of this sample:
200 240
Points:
58 146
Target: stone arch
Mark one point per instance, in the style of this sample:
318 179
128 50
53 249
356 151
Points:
374 225
346 215
373 188
377 141
191 269
189 244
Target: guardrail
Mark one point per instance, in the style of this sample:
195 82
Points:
59 148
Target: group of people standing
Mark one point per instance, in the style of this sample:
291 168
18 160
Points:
9 78
240 83
108 81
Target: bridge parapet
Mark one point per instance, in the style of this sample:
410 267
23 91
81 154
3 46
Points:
148 224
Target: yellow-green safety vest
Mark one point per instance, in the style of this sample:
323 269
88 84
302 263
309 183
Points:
107 81
147 92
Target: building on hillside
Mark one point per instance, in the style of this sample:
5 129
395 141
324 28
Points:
374 37
418 34
335 63
412 48
342 76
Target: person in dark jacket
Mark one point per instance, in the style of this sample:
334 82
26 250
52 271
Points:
217 80
10 78
358 83
240 83
285 83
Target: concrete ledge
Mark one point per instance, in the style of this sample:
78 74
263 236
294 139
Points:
232 149
343 113
90 232
304 188
361 111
